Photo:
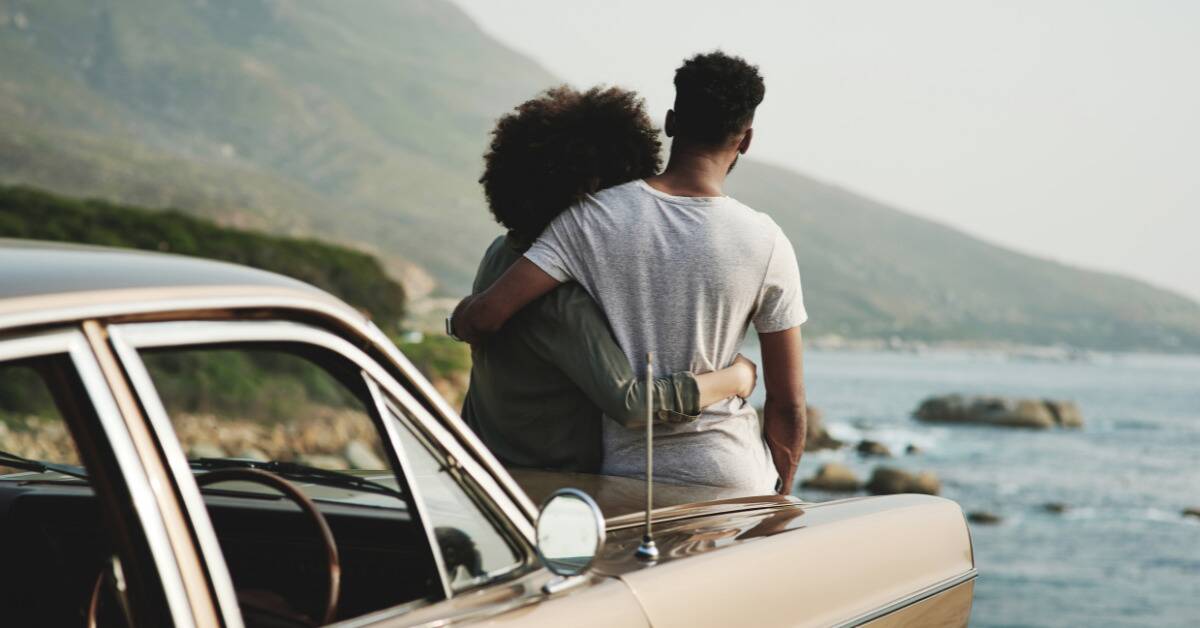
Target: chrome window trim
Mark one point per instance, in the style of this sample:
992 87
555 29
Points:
410 481
527 554
184 333
74 345
160 422
910 599
149 301
175 333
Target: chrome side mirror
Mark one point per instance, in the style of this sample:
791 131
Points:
570 532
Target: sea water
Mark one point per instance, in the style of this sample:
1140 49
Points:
1122 554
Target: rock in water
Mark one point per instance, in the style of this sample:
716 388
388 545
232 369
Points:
833 477
816 436
1194 511
984 517
874 448
925 482
360 456
889 481
1000 411
913 450
1066 413
1057 508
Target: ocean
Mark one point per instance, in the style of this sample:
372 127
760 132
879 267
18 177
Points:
1122 554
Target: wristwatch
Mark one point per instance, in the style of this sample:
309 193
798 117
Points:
450 328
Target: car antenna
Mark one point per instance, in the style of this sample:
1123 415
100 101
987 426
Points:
648 551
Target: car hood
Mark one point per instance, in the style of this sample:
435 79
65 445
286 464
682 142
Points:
695 520
623 500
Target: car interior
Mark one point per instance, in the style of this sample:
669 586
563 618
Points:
289 521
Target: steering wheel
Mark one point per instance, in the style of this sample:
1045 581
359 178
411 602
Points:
289 490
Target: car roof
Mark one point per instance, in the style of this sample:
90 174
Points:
44 282
31 268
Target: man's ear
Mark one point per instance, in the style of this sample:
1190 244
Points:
744 145
669 123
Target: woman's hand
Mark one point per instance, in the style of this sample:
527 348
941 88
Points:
747 373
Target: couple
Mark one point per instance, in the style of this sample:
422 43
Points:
607 259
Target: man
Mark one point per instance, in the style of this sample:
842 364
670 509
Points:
681 270
540 386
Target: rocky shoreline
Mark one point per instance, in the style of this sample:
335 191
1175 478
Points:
1000 411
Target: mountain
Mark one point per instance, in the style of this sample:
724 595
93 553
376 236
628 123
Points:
870 270
363 122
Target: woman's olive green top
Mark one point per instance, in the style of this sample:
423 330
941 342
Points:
540 385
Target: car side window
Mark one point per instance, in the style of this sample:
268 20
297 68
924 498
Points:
299 412
30 423
265 402
474 550
63 521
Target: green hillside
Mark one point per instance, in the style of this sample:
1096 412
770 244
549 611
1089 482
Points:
355 277
358 120
363 121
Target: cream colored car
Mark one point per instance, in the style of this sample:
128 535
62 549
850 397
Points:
193 443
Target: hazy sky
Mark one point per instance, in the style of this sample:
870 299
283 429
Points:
1066 129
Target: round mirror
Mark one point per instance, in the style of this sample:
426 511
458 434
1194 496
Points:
570 532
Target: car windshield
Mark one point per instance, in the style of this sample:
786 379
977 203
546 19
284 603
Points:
373 483
9 459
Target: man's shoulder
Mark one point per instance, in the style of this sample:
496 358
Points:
752 222
621 190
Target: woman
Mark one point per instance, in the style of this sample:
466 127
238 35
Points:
540 386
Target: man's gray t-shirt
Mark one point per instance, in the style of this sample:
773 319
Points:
682 277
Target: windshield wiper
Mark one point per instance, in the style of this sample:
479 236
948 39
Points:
9 459
297 471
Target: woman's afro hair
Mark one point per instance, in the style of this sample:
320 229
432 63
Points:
552 150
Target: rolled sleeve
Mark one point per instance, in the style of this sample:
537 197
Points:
548 259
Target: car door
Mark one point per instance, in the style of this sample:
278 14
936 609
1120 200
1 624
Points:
483 552
85 538
528 595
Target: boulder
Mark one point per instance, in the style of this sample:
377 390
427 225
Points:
816 436
1194 511
926 483
1066 413
1057 508
1000 411
984 517
913 450
833 476
890 481
874 448
360 456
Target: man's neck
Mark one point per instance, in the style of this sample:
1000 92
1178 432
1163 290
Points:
692 173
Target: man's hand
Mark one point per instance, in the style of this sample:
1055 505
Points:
457 322
477 317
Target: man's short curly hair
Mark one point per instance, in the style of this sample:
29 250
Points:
554 149
715 97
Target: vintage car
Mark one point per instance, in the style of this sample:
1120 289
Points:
194 443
